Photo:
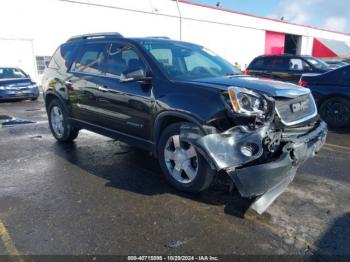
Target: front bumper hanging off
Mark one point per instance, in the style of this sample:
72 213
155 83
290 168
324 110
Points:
266 180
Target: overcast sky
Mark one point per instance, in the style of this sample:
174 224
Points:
328 14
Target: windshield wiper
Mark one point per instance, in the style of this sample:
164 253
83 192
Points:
232 74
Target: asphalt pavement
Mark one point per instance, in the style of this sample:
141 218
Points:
100 196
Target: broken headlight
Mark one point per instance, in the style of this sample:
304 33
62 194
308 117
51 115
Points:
247 102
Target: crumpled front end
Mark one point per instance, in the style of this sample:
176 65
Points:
261 162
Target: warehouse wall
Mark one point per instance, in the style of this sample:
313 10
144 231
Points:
236 44
18 53
237 37
52 22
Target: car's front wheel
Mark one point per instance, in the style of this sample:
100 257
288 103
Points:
184 167
60 127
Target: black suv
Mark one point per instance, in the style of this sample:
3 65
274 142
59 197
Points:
187 106
287 68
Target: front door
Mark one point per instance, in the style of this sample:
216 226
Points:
127 105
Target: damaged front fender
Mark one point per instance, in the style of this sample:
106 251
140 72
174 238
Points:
236 150
229 149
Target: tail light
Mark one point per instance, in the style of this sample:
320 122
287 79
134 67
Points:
302 83
247 72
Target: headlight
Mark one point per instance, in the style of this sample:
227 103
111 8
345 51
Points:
32 86
247 102
2 87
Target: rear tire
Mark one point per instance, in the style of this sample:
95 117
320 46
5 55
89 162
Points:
336 112
59 124
184 167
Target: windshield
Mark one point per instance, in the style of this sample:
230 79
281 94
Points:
12 73
183 61
319 64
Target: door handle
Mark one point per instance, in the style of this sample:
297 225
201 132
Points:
102 89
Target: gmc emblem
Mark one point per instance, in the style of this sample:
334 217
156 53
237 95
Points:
301 106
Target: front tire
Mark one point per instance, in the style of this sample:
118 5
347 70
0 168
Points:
336 112
184 167
59 124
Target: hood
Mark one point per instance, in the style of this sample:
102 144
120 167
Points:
14 82
261 85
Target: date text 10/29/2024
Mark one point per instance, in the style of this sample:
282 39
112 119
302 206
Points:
172 258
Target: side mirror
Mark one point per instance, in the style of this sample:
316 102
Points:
133 75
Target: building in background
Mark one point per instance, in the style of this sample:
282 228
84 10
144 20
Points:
32 30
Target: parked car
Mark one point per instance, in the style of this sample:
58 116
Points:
17 85
332 94
334 64
287 68
188 107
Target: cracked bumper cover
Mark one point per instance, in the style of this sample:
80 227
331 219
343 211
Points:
266 180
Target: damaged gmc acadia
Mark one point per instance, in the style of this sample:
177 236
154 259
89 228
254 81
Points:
189 107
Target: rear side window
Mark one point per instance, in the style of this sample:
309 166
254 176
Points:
278 63
90 58
62 56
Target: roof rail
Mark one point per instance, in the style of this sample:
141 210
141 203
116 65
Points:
159 37
95 35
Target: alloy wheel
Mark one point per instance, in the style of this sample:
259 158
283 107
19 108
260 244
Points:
57 122
336 113
181 160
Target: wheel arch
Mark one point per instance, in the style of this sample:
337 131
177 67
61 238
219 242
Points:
50 96
329 96
165 119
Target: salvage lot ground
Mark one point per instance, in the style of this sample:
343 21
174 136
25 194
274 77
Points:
98 196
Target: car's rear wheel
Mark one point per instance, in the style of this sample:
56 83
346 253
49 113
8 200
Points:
184 167
336 112
60 127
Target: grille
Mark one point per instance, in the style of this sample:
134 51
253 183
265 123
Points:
296 110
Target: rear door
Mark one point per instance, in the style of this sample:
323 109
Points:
344 76
278 68
334 83
342 87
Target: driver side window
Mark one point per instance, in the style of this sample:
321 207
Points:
120 59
